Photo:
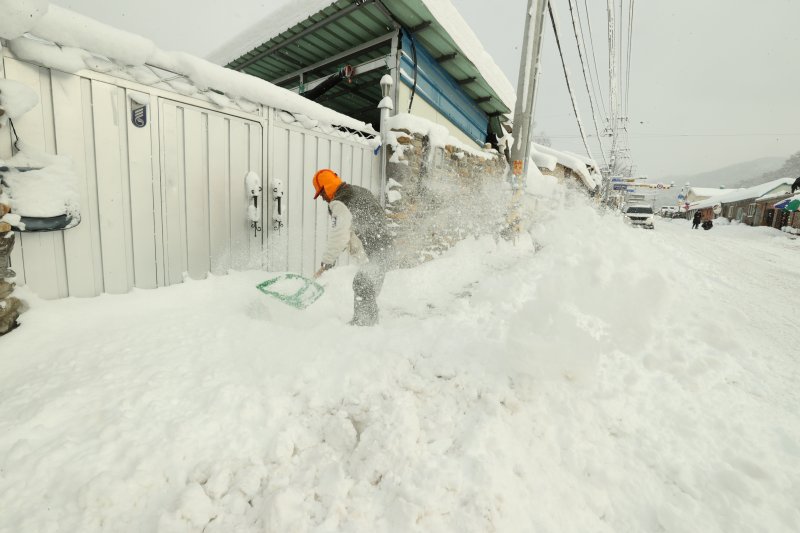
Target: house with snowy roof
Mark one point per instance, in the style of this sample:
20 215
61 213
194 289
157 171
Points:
696 194
750 205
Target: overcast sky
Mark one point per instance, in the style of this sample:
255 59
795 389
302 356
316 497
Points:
713 82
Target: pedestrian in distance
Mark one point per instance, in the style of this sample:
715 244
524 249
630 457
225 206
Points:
696 219
358 223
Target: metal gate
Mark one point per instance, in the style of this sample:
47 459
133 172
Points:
166 196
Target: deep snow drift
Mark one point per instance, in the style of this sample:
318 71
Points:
593 377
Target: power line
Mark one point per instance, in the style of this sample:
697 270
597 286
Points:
586 75
595 81
551 9
618 29
594 57
628 68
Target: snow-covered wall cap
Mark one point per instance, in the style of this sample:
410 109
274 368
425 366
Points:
288 13
438 135
78 37
756 192
543 159
19 16
565 159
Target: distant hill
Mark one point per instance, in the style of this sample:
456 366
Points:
731 177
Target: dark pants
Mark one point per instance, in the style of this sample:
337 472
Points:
6 245
366 287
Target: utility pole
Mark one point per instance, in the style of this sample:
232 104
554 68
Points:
523 109
526 88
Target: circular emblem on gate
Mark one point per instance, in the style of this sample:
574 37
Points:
139 115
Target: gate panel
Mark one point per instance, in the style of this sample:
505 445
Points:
196 177
113 196
205 159
38 258
142 176
297 155
294 189
309 263
219 213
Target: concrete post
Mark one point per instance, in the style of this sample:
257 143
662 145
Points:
386 106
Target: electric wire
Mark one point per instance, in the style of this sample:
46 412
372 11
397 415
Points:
630 45
572 11
594 57
551 10
618 31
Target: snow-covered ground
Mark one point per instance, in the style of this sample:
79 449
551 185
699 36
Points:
594 377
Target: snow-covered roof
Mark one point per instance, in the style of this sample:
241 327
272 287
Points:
282 15
708 192
755 192
58 38
288 13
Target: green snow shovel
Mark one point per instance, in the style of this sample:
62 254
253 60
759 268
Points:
297 291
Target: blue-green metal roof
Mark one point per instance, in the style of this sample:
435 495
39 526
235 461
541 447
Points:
349 24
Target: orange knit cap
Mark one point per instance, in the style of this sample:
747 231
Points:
328 180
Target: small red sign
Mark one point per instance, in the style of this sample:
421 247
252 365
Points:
518 167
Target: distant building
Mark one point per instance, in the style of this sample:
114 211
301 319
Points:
696 194
750 205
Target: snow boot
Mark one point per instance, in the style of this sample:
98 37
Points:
6 245
6 288
9 312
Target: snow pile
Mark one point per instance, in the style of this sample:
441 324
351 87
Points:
16 99
18 16
561 384
48 190
438 135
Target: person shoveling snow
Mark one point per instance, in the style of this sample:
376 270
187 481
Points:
359 225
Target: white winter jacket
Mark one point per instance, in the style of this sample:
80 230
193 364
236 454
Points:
341 235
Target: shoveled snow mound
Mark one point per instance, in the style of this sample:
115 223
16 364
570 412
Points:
593 377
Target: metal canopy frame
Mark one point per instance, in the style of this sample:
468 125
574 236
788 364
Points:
364 33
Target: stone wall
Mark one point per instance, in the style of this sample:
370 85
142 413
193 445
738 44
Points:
9 306
439 195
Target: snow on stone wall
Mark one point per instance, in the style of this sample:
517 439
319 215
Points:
16 99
